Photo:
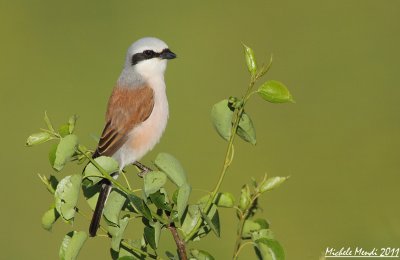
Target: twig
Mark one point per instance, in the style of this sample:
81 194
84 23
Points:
126 180
227 161
242 220
240 249
239 237
180 244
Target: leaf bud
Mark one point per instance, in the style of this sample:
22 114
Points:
250 60
38 138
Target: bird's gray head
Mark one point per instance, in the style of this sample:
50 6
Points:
146 58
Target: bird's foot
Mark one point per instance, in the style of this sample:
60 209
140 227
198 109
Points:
143 169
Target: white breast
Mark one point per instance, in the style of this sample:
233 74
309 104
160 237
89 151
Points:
147 134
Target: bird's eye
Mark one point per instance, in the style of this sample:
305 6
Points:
149 53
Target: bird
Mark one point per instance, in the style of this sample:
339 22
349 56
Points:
137 112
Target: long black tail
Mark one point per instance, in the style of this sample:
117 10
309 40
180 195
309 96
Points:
98 212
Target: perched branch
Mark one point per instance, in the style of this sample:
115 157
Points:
180 244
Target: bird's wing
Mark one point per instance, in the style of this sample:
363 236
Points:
127 108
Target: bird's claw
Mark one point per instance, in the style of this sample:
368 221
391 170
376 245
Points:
143 169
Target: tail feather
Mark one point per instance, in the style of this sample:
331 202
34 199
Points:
98 212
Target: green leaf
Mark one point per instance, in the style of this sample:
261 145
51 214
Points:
91 176
113 207
246 129
52 154
190 219
64 245
140 206
153 182
127 258
250 60
72 123
225 200
110 165
254 182
212 220
275 92
47 121
156 232
171 256
117 233
171 166
65 150
149 235
221 117
269 249
251 226
183 198
271 183
160 200
157 227
51 183
127 254
175 196
90 192
203 200
201 255
66 196
245 199
64 130
262 222
71 245
262 233
49 218
38 138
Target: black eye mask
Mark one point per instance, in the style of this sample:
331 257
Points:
150 54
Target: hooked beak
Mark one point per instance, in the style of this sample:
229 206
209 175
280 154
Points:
167 54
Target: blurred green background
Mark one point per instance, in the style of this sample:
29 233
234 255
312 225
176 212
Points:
339 142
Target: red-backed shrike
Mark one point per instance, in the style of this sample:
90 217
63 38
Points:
137 111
